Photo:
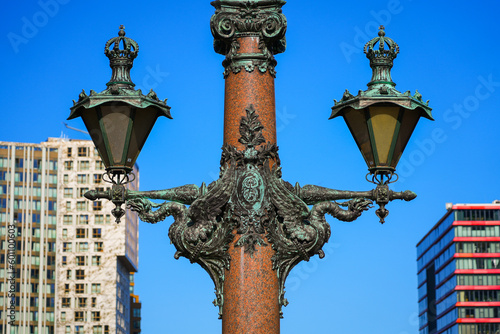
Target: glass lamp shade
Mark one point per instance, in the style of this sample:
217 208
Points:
381 132
119 131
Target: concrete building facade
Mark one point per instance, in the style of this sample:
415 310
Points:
87 258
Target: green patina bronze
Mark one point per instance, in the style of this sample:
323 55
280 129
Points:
120 87
253 199
250 196
119 102
381 92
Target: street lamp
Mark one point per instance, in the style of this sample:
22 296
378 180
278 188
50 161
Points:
249 228
120 118
381 119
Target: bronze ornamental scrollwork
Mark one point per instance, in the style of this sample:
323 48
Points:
251 197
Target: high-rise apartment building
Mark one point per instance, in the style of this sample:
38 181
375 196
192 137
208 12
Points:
28 203
72 261
458 264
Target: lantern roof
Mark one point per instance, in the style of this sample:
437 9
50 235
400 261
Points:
381 89
135 98
121 52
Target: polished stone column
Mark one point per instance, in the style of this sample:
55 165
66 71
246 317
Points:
248 37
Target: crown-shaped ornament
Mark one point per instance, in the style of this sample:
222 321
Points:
121 52
381 59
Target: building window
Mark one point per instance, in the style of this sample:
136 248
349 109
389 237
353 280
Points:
68 192
94 302
96 233
63 316
65 178
66 288
68 220
83 219
81 206
82 246
68 206
68 165
80 288
84 165
474 215
99 219
68 274
81 260
82 151
81 233
64 260
99 165
96 316
80 274
65 233
136 312
19 162
79 316
108 219
96 260
67 246
82 302
79 330
478 247
97 329
98 247
97 205
82 191
81 178
66 302
96 287
97 178
69 152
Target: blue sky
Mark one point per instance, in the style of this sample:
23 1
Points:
367 282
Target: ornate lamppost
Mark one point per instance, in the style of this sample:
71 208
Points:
249 228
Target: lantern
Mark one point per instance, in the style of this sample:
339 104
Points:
381 119
120 118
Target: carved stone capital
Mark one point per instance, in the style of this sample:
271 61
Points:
258 18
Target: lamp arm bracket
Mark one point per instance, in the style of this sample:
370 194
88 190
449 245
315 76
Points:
138 200
312 194
382 195
186 194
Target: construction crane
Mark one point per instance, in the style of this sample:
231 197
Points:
72 128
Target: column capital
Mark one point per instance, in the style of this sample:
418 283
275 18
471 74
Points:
234 20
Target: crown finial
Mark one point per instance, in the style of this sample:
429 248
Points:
371 52
121 33
381 59
121 60
381 31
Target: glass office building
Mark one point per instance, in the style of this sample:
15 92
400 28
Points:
458 263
